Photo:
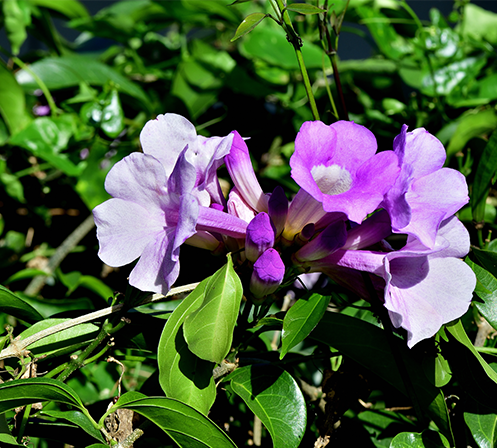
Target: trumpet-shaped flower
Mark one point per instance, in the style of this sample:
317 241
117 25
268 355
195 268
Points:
425 193
338 166
152 213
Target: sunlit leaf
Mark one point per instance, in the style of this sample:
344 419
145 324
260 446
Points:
248 24
209 329
479 23
301 319
426 439
12 101
273 395
72 9
482 423
16 17
304 8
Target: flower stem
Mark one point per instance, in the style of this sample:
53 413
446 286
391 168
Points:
296 41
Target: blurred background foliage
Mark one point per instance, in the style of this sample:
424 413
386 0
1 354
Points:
76 88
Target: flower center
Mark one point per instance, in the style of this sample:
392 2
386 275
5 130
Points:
331 179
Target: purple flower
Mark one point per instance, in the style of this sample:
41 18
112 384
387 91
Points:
156 208
422 288
268 274
168 135
259 237
425 193
278 209
242 173
328 241
338 166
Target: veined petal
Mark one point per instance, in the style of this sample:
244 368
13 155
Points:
165 138
242 173
216 221
124 229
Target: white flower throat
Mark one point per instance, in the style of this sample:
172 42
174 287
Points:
331 179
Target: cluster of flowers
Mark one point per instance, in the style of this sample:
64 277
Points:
351 199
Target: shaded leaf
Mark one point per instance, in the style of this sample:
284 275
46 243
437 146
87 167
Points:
248 24
72 9
273 395
107 113
15 306
12 101
185 425
77 418
486 289
22 392
304 8
209 329
301 319
426 439
182 375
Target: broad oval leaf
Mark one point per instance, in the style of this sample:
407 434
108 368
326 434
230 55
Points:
209 329
482 423
15 306
301 319
77 418
248 24
486 289
70 71
304 8
426 439
184 424
273 395
182 375
22 392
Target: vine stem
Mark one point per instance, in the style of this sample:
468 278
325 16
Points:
17 347
295 40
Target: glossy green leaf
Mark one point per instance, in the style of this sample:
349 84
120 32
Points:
482 423
304 8
61 340
209 329
486 290
107 113
488 259
426 439
15 306
47 138
24 274
437 369
301 319
182 375
16 17
479 23
248 24
470 126
8 440
18 393
273 395
70 71
366 344
184 424
483 178
76 418
12 101
72 9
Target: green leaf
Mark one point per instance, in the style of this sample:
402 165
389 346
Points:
16 17
107 113
61 340
77 418
470 126
304 8
301 319
488 259
248 24
8 440
72 9
273 395
22 392
12 101
70 71
24 274
182 375
483 178
15 306
483 425
46 138
366 344
209 329
426 439
486 289
479 24
184 424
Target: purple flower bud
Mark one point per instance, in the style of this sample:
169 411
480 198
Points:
278 209
328 241
268 274
259 237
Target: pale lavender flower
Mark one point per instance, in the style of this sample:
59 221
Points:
425 193
422 288
338 166
268 274
154 210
